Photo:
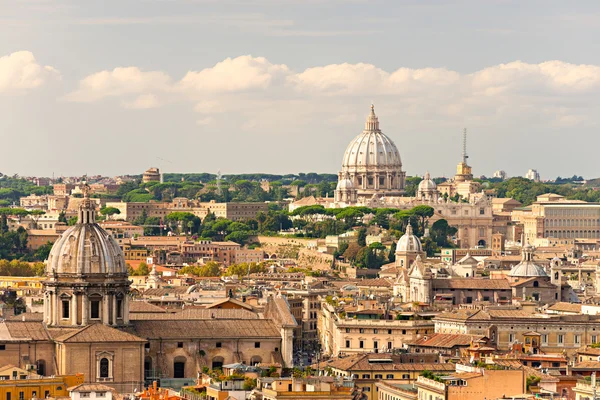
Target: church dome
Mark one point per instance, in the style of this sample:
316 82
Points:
409 242
372 148
527 268
86 248
427 184
344 184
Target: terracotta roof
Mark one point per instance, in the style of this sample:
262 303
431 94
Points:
589 365
196 313
238 303
159 292
360 362
543 283
207 329
477 315
98 333
568 307
443 340
284 315
90 387
379 282
144 307
470 283
19 330
28 317
589 351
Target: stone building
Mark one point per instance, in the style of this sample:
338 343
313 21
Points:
151 175
371 165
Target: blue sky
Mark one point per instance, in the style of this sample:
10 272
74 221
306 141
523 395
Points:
283 85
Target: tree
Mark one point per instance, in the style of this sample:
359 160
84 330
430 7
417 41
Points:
362 237
42 253
351 251
109 211
392 253
142 270
423 213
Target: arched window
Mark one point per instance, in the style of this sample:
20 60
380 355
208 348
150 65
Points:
217 362
255 360
41 367
536 284
104 368
179 367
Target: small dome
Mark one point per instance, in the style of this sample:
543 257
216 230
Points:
345 183
409 242
427 184
527 268
86 248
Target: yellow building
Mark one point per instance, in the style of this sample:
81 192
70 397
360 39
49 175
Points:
23 285
21 384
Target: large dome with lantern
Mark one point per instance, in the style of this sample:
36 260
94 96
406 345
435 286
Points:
372 162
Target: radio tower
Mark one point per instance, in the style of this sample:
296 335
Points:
219 182
464 149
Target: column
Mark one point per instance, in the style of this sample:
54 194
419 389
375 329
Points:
126 310
74 307
114 309
105 308
54 306
85 309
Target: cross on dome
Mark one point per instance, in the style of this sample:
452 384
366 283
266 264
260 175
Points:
372 123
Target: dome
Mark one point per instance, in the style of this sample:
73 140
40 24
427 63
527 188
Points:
371 148
86 248
427 184
527 268
409 242
344 184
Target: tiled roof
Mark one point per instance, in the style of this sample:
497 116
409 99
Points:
589 365
144 307
90 387
589 351
529 282
18 330
196 313
226 300
206 329
28 316
98 333
165 291
379 282
360 362
568 307
443 340
470 283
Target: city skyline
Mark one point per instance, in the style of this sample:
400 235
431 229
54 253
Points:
282 87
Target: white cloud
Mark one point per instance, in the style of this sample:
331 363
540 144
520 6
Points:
20 70
235 74
120 82
205 121
142 102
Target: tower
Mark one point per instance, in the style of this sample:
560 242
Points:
556 277
463 170
86 276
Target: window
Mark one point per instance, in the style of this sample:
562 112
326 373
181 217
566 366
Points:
544 339
257 345
46 394
366 376
381 180
405 376
361 344
100 394
511 337
375 331
481 211
561 339
21 395
594 339
2 347
119 308
65 309
404 331
361 330
180 345
104 367
84 395
378 376
577 339
218 345
389 331
95 309
390 345
375 345
347 330
347 344
389 376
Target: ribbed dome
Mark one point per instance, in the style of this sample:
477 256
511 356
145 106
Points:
371 148
427 184
86 248
345 183
409 242
527 268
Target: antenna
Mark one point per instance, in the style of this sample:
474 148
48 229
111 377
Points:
464 150
219 182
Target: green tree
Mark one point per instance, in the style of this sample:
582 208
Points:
109 211
142 270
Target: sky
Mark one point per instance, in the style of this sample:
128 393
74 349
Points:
282 86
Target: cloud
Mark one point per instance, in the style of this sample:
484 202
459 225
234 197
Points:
142 102
120 82
234 74
249 86
21 71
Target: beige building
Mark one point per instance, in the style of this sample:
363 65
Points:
554 220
